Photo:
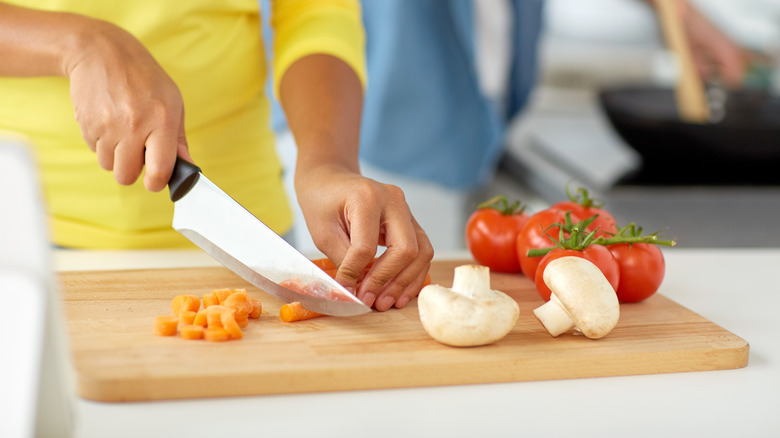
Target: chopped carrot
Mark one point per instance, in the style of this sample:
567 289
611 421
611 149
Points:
325 264
216 334
229 323
222 294
187 317
200 318
294 284
295 312
257 308
183 303
191 331
210 299
239 301
214 316
166 325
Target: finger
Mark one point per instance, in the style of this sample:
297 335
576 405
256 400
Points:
162 145
128 161
413 290
104 149
363 236
408 282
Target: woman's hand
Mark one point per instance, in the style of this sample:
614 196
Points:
130 111
349 216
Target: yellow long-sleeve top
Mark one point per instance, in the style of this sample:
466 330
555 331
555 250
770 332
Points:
214 52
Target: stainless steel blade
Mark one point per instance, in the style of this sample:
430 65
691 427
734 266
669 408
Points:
232 235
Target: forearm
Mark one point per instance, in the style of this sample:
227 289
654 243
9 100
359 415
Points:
37 43
323 100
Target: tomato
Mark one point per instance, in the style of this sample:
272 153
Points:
491 235
537 234
599 255
642 269
606 223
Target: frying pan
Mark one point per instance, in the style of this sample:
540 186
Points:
742 148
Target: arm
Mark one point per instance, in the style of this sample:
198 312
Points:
349 215
129 111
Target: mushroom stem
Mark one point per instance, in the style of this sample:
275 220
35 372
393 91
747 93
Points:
554 317
471 280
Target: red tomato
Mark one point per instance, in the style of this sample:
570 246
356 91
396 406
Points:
642 269
599 255
491 237
536 235
606 223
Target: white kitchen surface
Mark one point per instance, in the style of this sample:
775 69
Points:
736 289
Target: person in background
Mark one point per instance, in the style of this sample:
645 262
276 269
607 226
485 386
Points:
149 80
446 77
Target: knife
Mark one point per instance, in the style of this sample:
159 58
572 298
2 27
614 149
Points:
224 229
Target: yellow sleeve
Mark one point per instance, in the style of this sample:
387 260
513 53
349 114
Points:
306 27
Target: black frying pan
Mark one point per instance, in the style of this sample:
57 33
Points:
741 148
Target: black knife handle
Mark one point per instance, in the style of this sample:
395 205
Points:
184 177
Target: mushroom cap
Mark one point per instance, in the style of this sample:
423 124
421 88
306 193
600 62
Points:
455 319
582 290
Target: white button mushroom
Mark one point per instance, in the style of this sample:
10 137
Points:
468 314
582 298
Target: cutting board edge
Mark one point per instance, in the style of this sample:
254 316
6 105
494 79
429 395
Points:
111 390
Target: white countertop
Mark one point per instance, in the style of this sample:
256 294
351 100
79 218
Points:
736 289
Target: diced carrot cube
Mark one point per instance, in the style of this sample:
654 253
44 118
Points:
191 331
222 294
183 303
239 301
187 317
166 325
229 323
214 315
257 308
200 318
216 334
210 299
295 312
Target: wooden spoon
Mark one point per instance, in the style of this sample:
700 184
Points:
689 91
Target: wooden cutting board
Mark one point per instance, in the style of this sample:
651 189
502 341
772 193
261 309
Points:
110 317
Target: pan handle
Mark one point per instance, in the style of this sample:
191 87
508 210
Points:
184 177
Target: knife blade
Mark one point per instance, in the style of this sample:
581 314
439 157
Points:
228 232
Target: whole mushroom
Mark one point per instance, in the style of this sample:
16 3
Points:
469 313
582 298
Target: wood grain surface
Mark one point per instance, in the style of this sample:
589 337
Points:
117 357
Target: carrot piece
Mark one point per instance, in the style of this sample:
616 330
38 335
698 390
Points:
210 299
239 301
183 303
187 317
216 334
231 326
295 312
294 284
166 325
325 264
191 331
222 294
200 318
214 316
257 308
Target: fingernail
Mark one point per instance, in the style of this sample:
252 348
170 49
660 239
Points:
401 302
385 303
368 299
